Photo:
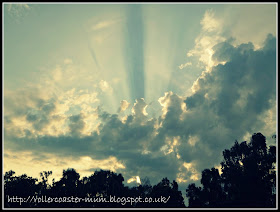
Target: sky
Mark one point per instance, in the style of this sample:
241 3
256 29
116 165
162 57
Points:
146 90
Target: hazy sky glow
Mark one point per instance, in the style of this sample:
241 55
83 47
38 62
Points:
156 90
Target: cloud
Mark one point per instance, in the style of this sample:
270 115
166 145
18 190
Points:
134 179
229 102
139 109
124 105
76 124
229 99
50 99
234 96
185 65
210 23
210 35
105 87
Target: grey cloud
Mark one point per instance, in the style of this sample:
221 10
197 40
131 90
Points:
151 165
40 116
243 89
76 124
229 102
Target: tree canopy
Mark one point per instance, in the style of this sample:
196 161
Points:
103 184
247 179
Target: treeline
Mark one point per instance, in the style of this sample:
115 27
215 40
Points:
100 185
248 179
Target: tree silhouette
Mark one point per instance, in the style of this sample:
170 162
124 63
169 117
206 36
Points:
21 186
248 178
44 184
166 189
195 196
103 184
